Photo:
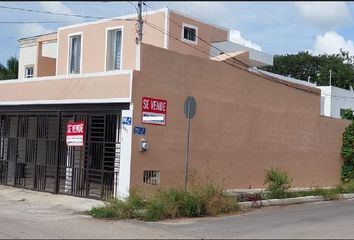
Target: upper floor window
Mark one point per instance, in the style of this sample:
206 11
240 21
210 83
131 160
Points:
75 54
29 72
114 49
190 33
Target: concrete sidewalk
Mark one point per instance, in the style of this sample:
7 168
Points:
29 214
75 204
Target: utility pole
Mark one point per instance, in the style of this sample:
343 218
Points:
140 22
330 77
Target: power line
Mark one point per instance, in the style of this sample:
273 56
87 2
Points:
133 6
201 39
171 19
47 12
304 89
64 14
198 49
23 22
233 58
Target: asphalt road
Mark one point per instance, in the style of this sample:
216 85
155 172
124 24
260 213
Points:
27 214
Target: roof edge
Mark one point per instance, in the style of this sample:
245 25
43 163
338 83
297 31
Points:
34 37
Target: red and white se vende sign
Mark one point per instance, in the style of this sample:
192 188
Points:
154 111
75 132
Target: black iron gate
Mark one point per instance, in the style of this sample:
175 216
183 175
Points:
34 155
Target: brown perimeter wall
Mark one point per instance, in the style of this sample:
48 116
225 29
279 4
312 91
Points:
245 123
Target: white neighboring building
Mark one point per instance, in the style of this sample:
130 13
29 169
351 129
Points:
256 58
334 100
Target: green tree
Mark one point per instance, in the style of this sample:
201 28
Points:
10 71
348 148
304 65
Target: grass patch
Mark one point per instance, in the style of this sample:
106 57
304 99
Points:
208 200
325 193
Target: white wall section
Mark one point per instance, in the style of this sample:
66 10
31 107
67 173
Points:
27 56
125 154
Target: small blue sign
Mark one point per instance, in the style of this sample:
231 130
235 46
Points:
139 130
127 121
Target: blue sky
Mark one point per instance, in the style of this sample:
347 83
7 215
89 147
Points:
273 27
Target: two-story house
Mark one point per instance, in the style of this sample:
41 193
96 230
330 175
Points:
95 113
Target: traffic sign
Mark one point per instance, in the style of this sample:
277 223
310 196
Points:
190 107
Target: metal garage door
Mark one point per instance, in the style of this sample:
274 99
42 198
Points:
34 155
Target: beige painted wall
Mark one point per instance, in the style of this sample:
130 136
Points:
74 88
205 31
94 43
94 40
45 65
244 124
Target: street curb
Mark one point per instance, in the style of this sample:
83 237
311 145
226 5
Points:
289 201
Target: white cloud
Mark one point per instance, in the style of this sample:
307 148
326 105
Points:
326 15
331 42
28 30
59 7
236 37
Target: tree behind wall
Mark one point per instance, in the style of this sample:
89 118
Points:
10 71
304 65
348 148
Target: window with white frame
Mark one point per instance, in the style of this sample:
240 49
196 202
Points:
75 54
29 72
189 33
114 49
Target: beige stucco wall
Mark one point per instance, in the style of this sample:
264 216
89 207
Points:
45 65
244 124
74 88
94 43
94 39
206 32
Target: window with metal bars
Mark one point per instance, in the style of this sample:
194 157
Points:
151 177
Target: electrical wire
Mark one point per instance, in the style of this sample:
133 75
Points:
47 12
305 88
201 39
131 3
149 24
63 14
198 49
293 85
25 22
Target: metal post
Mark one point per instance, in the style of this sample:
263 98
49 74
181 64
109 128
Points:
140 22
56 189
187 149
